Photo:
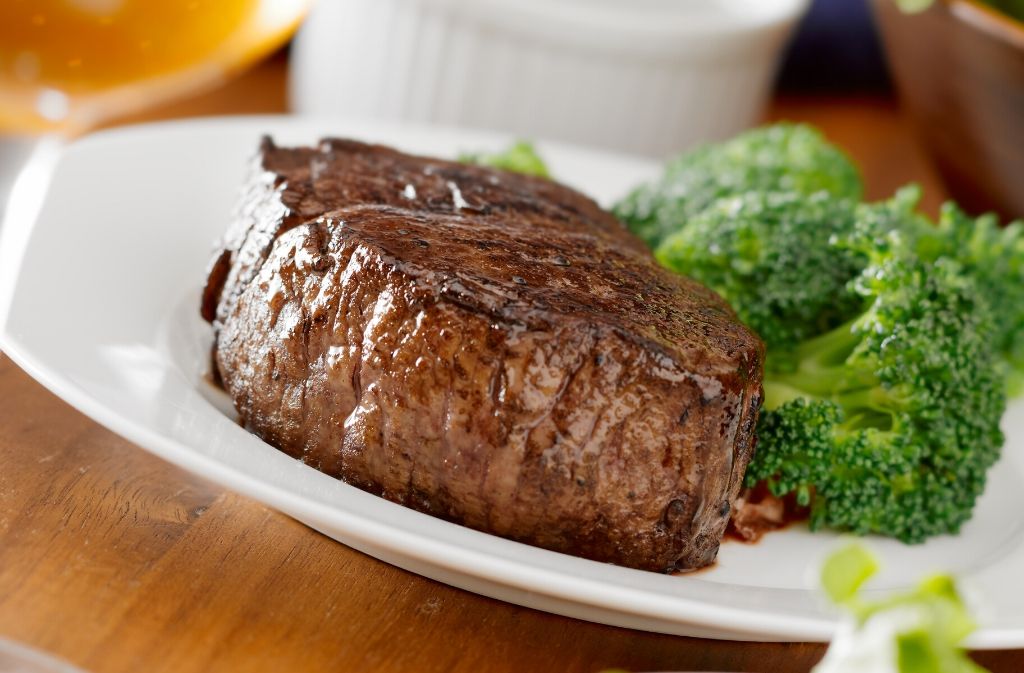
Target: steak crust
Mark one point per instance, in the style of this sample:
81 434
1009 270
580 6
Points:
489 348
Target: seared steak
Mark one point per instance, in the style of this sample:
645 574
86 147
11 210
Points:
490 348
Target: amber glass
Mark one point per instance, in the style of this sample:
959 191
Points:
66 65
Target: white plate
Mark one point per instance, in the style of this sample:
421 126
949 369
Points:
104 312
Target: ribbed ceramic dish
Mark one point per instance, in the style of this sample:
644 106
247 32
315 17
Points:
644 76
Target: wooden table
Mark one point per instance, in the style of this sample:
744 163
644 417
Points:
117 561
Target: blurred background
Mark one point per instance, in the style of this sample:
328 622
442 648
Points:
934 96
836 48
649 77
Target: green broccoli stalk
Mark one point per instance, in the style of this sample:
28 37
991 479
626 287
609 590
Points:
889 422
782 157
917 631
520 157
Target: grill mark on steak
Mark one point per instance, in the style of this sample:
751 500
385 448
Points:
529 371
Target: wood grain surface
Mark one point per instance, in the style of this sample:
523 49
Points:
117 562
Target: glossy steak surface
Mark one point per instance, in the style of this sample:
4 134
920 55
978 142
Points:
490 348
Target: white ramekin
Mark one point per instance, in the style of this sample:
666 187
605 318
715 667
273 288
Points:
645 76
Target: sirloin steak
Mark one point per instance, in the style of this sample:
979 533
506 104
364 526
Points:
486 347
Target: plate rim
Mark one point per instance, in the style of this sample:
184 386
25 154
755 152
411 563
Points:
514 573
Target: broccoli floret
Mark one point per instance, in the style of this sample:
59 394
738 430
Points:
520 157
769 256
876 221
994 256
890 339
883 388
889 422
782 157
